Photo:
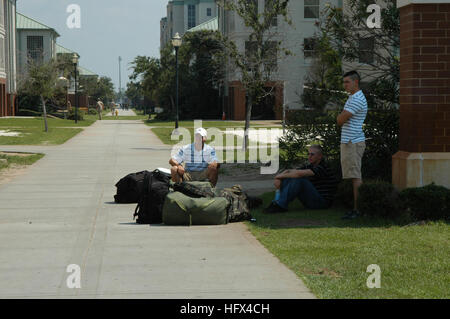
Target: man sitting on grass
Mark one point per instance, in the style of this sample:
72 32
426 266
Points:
196 161
314 184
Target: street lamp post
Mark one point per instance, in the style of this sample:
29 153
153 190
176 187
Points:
176 42
66 86
75 64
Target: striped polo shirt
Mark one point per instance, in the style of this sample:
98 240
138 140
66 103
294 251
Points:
352 129
196 161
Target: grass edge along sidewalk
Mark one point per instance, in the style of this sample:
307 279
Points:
331 255
18 159
32 130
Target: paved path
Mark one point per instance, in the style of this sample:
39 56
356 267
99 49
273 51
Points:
61 212
123 112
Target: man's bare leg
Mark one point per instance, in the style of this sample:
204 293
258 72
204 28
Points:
213 175
357 182
176 178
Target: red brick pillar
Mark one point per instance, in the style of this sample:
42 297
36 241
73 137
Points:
424 155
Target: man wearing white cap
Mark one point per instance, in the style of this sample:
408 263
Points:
196 161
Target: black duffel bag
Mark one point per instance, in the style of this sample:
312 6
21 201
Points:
129 188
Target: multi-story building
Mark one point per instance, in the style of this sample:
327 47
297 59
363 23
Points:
288 79
7 57
183 15
36 42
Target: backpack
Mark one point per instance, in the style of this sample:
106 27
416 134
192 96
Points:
129 188
195 189
238 209
151 199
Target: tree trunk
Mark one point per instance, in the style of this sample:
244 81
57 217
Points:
45 113
248 116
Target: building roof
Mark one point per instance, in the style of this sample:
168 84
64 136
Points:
211 25
24 22
62 50
86 72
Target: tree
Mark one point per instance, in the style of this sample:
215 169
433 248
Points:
200 71
41 80
378 48
98 88
323 84
256 64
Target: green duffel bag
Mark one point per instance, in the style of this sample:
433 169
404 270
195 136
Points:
180 209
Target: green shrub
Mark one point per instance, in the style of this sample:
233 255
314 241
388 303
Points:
80 115
379 199
165 116
92 111
431 202
26 112
310 127
344 193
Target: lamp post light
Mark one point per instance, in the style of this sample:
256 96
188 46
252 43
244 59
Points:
64 80
176 42
75 64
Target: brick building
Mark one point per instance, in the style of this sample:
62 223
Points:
424 155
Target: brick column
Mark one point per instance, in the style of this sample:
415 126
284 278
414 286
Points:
424 155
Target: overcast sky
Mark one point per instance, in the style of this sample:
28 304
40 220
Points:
109 29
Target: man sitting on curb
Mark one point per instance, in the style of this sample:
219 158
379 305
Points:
314 184
196 161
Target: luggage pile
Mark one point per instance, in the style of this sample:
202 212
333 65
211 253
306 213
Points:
187 203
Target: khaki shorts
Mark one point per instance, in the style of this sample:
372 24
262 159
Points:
351 155
195 176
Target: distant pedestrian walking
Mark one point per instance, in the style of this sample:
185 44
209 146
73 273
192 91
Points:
100 108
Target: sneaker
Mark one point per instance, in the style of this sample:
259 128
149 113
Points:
274 208
352 214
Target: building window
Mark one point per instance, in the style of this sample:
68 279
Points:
309 47
208 12
35 48
311 9
255 6
191 16
269 55
268 7
171 16
366 46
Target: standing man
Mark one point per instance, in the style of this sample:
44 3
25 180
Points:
99 109
352 137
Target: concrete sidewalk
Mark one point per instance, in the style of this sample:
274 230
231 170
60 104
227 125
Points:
62 212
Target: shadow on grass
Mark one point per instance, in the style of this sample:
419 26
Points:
300 217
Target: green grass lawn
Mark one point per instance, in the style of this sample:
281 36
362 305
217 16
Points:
39 122
32 130
331 255
37 136
165 133
19 160
205 124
